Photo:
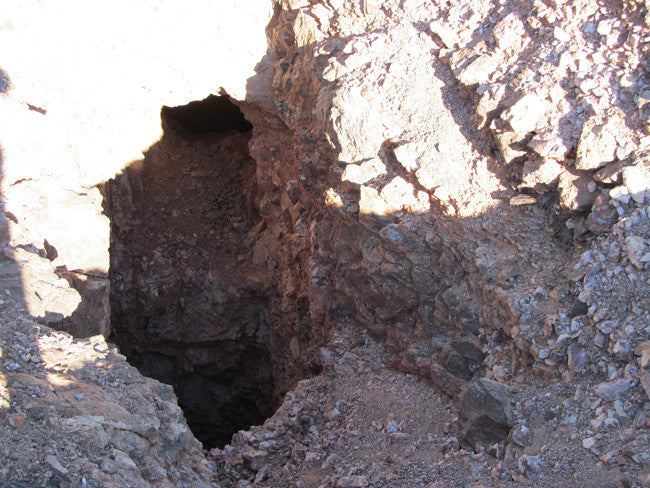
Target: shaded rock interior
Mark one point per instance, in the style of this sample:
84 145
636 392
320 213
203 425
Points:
202 117
186 307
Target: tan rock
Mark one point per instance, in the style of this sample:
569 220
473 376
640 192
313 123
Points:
643 351
549 145
357 125
525 115
472 68
597 145
364 172
504 140
574 191
637 181
509 32
540 172
407 155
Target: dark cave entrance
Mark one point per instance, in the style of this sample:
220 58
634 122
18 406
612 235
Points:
202 117
187 307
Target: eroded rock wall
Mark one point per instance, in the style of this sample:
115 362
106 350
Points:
419 242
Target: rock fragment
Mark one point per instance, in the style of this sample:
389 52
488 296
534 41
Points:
509 32
484 413
524 116
540 172
472 68
575 191
612 390
637 181
598 140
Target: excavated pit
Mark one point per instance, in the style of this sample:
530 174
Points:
187 306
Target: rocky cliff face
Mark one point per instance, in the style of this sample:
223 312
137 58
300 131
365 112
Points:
467 184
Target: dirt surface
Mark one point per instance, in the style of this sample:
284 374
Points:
363 424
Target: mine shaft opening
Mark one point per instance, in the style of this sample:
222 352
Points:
186 306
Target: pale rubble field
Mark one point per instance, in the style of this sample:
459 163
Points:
448 221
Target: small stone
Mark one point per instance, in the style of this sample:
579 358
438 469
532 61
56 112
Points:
472 68
364 172
397 437
329 462
549 145
540 172
644 379
643 351
407 156
561 35
16 420
79 396
635 246
577 358
254 458
610 391
505 141
522 200
333 414
451 445
526 113
448 36
55 464
521 435
609 457
108 466
611 173
607 326
574 191
123 460
509 32
637 182
621 194
589 442
528 465
391 427
352 482
598 140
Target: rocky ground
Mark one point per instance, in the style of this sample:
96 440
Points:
451 208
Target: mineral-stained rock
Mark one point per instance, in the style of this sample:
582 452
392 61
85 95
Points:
484 413
603 215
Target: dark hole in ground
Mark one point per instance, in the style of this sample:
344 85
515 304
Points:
212 114
187 307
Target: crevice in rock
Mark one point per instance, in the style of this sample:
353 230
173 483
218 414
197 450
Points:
189 306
